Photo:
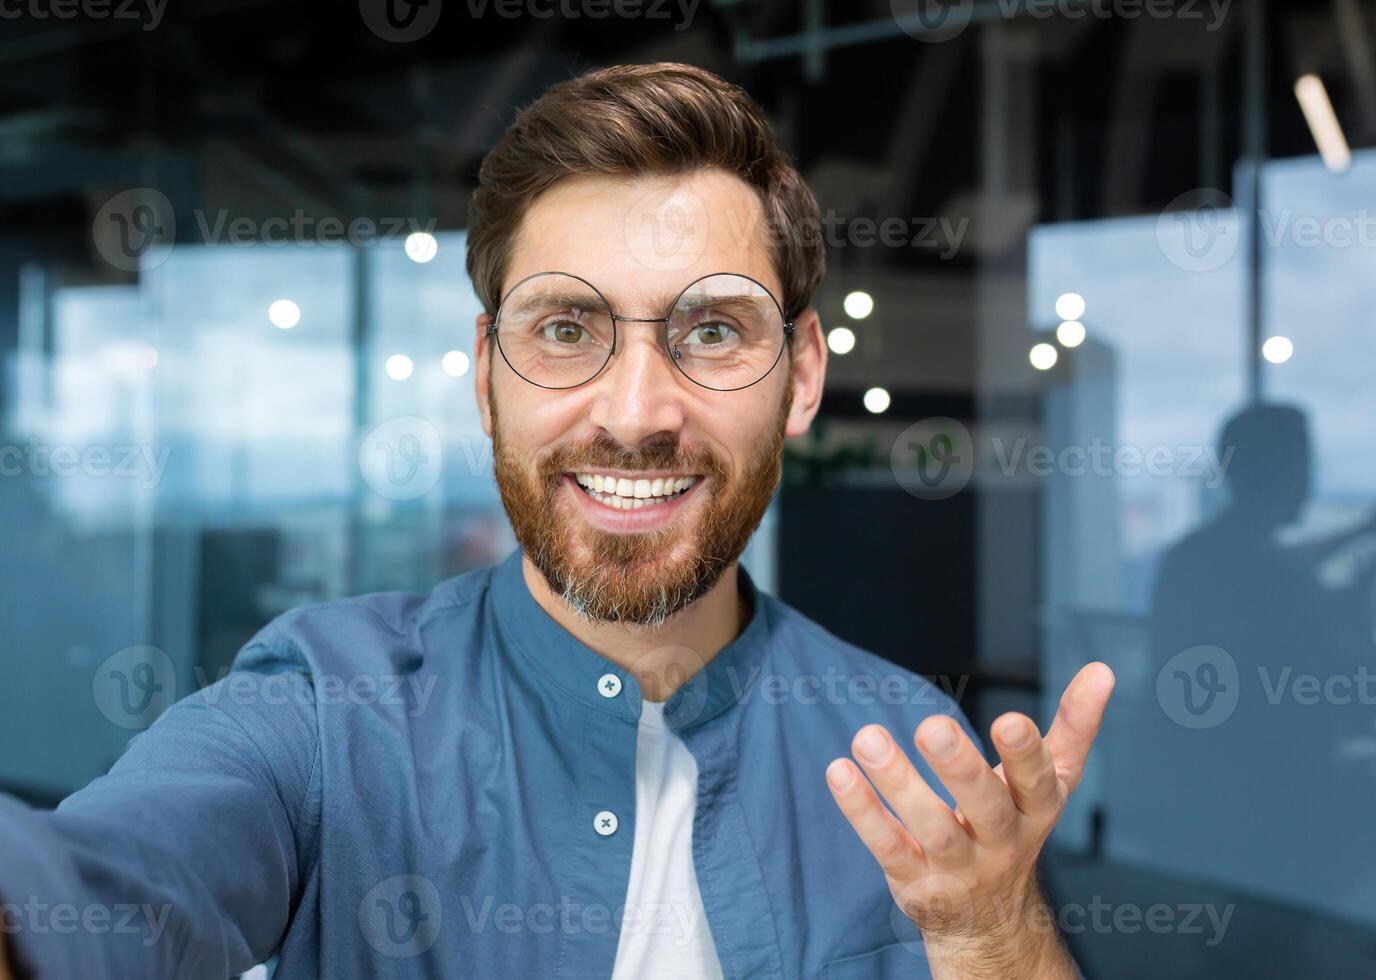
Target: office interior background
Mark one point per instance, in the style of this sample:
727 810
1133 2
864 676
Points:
1101 306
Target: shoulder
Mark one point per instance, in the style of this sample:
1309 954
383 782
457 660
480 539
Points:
808 665
365 632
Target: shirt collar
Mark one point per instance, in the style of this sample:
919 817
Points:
577 670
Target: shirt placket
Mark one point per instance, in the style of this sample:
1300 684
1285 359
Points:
725 860
601 836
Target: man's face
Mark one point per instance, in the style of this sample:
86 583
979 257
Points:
634 492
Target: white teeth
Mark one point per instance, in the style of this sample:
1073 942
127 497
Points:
643 489
621 493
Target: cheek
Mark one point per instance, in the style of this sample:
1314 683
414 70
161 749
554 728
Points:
739 425
532 420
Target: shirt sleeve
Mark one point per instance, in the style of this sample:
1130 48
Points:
186 859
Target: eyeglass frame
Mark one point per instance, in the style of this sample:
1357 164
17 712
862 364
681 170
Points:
789 326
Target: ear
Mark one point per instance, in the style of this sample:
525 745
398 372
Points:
482 372
809 371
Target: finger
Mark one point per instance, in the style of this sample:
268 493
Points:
1028 767
922 811
1077 721
981 795
879 830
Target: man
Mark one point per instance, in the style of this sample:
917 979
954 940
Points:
608 756
1236 610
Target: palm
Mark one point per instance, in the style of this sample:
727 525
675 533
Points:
955 868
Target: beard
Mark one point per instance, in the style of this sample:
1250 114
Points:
639 579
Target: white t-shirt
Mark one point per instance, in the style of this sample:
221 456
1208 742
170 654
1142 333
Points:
664 931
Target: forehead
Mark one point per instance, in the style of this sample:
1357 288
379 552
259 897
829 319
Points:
640 241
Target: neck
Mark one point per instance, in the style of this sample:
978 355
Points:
660 659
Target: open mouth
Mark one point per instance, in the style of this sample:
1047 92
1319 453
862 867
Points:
626 493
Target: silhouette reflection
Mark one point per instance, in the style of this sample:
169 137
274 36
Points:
1263 673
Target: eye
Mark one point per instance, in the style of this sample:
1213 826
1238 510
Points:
710 334
565 332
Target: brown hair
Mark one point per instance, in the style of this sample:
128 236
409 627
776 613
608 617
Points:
660 119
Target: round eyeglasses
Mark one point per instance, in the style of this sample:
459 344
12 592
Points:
724 331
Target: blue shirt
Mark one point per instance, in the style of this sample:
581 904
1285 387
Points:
407 786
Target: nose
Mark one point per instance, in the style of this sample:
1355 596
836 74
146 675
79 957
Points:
639 394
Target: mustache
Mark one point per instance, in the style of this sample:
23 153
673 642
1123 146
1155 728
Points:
666 452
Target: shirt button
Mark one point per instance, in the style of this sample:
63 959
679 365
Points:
604 823
609 685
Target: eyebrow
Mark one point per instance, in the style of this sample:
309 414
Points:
592 303
561 299
733 301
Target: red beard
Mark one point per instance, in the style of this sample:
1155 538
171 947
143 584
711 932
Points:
636 578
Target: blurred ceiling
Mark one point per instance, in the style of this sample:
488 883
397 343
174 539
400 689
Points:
261 108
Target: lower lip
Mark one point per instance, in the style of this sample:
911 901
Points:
648 518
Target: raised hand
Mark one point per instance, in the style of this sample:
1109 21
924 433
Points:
967 877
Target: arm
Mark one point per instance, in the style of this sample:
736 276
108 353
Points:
185 860
1317 552
967 877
